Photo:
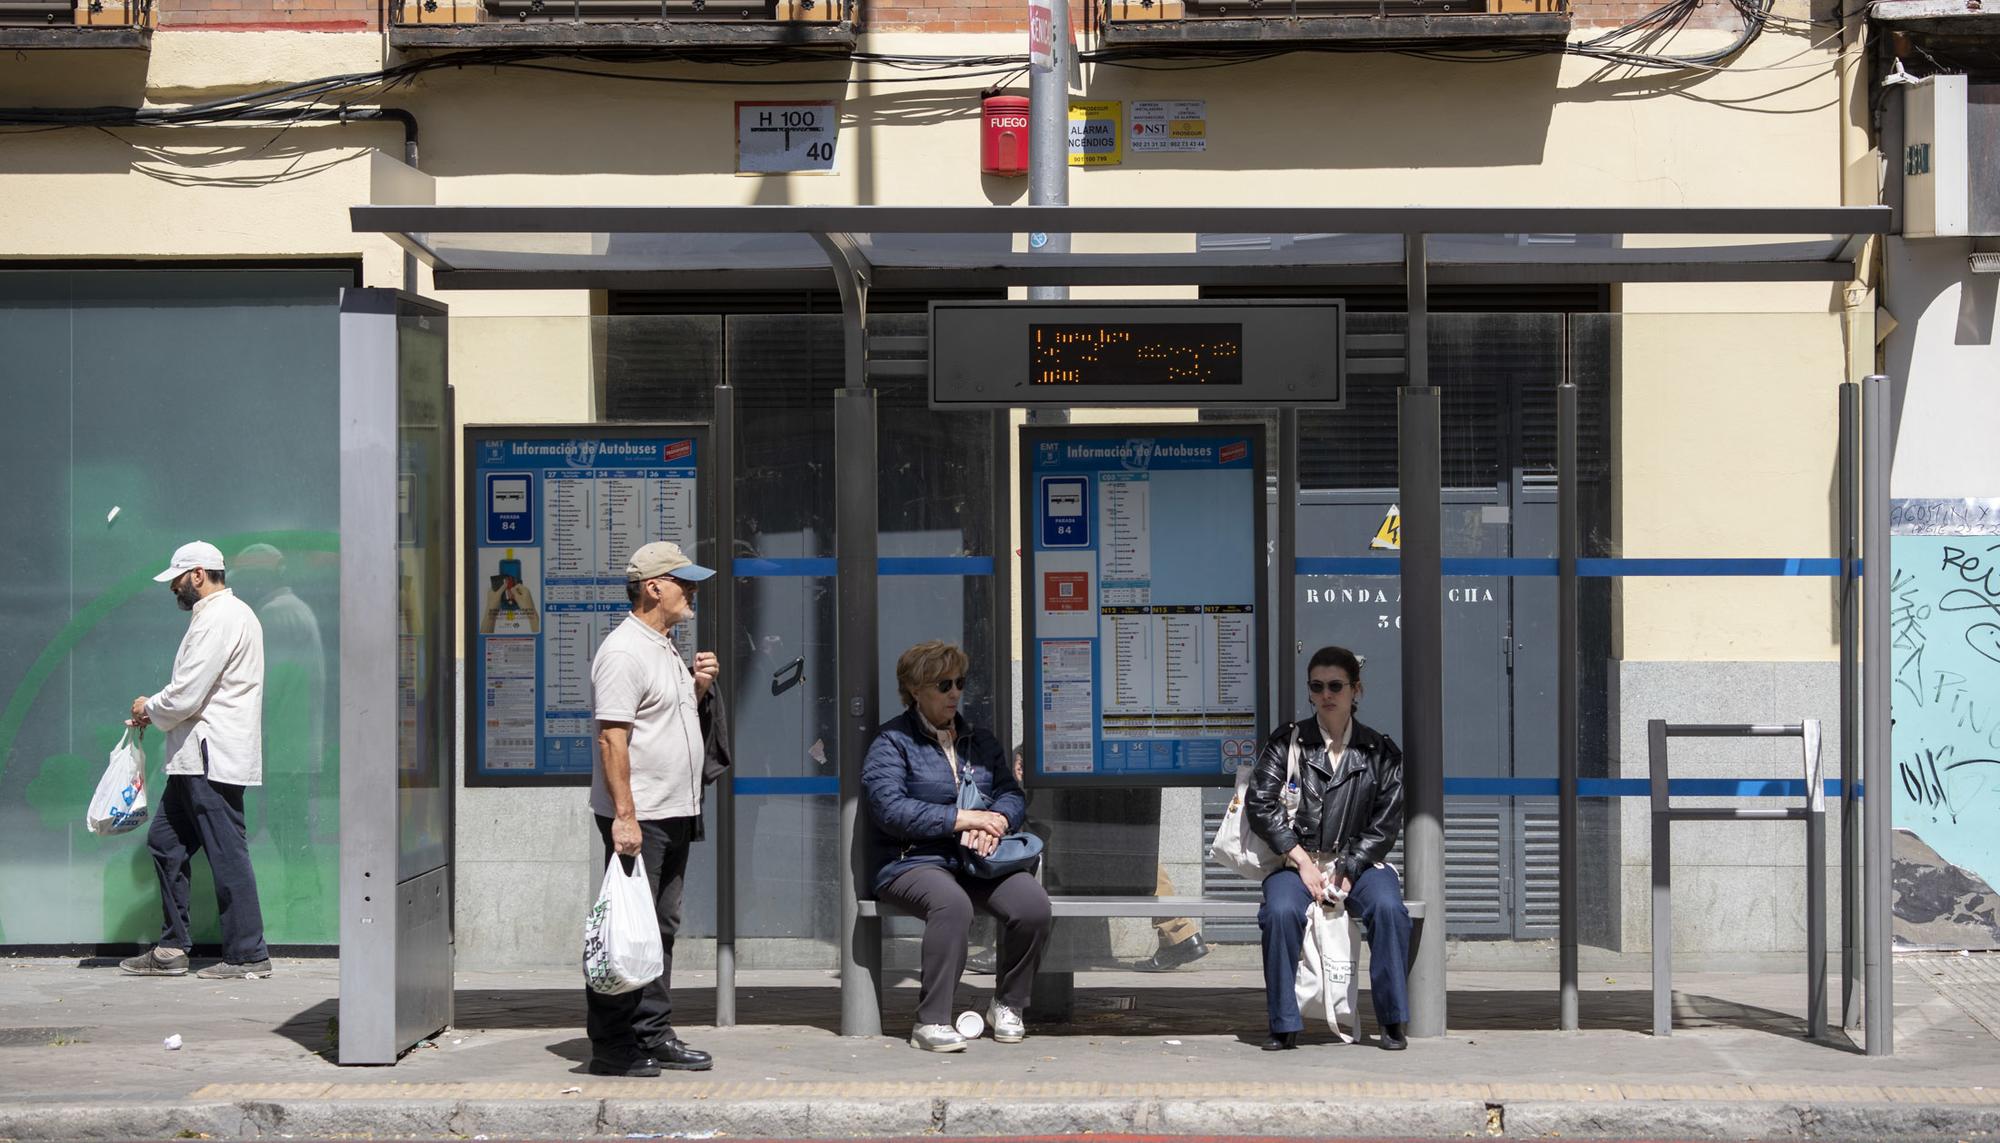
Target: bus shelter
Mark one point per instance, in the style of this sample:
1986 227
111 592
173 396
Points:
396 927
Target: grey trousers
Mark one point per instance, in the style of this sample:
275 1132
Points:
945 902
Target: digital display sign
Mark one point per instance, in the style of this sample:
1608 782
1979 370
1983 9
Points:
1204 353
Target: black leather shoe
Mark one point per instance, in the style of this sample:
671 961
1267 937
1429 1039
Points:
1170 957
1394 1038
675 1055
1281 1041
642 1066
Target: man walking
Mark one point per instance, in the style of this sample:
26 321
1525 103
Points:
645 789
213 712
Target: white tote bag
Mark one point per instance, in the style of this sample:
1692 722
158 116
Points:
1237 847
119 804
1328 986
621 937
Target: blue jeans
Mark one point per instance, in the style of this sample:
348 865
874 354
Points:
1378 900
197 815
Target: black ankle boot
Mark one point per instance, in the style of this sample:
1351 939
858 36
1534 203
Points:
1394 1038
1281 1041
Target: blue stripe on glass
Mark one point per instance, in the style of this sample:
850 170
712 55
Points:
806 566
1588 568
772 787
1635 787
934 565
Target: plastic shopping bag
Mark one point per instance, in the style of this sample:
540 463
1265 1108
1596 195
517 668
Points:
1328 985
621 937
1237 847
119 805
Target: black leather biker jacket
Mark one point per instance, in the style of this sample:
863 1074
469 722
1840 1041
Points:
1351 805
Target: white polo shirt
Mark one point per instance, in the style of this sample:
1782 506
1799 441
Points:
638 677
216 696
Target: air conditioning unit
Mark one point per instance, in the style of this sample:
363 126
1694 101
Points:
1951 158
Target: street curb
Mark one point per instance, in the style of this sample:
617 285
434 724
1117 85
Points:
975 1117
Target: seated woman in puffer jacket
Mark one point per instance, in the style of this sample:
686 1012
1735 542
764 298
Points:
910 779
1350 809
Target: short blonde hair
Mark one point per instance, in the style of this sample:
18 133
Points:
926 663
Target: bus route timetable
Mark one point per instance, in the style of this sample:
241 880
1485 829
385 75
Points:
1143 598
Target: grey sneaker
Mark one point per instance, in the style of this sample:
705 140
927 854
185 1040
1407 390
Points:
937 1038
1006 1024
156 962
223 970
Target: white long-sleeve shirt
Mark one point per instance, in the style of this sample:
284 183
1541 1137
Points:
216 696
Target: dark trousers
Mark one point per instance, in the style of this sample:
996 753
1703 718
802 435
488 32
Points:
196 815
1377 899
945 902
631 1024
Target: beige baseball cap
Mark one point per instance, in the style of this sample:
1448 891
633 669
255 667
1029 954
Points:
663 557
199 554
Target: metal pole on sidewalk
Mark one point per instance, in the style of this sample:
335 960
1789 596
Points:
722 601
1421 478
1569 543
1288 562
1048 141
1875 455
1850 709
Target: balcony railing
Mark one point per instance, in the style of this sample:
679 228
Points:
76 13
618 11
1215 21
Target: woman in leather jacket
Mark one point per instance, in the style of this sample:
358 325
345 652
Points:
1349 810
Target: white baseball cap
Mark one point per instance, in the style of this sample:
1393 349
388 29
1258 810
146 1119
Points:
199 554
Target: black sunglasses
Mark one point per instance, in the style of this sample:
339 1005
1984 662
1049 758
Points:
946 686
1334 686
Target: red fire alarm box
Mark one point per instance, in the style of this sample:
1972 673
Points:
1003 143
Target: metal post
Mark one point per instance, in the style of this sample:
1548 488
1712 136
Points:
1421 479
722 604
1001 513
1875 457
1288 562
1048 140
1663 864
1850 710
1815 883
855 550
1569 544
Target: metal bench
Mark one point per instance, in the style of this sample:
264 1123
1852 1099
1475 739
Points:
1054 990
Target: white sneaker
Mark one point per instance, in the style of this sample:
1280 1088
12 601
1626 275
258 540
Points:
937 1038
1006 1024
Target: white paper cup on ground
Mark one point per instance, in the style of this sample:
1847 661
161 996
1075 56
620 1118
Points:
971 1024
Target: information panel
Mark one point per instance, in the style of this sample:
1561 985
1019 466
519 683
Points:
1144 595
552 515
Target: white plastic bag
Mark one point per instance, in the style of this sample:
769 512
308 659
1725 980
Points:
119 805
621 937
1328 986
1237 847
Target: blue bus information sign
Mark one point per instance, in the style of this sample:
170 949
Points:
1144 593
554 515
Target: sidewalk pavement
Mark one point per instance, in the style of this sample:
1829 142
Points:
82 1057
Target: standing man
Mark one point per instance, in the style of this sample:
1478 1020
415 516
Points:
645 789
213 712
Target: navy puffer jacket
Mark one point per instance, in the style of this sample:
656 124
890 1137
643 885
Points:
913 799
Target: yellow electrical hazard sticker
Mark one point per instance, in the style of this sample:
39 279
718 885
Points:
1390 534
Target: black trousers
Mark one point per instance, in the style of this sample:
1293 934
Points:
630 1024
945 902
198 815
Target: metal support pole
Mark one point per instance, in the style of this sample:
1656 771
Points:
1289 647
1421 478
1663 866
1815 884
1569 544
855 551
1048 141
1001 513
1879 1014
722 605
1850 708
